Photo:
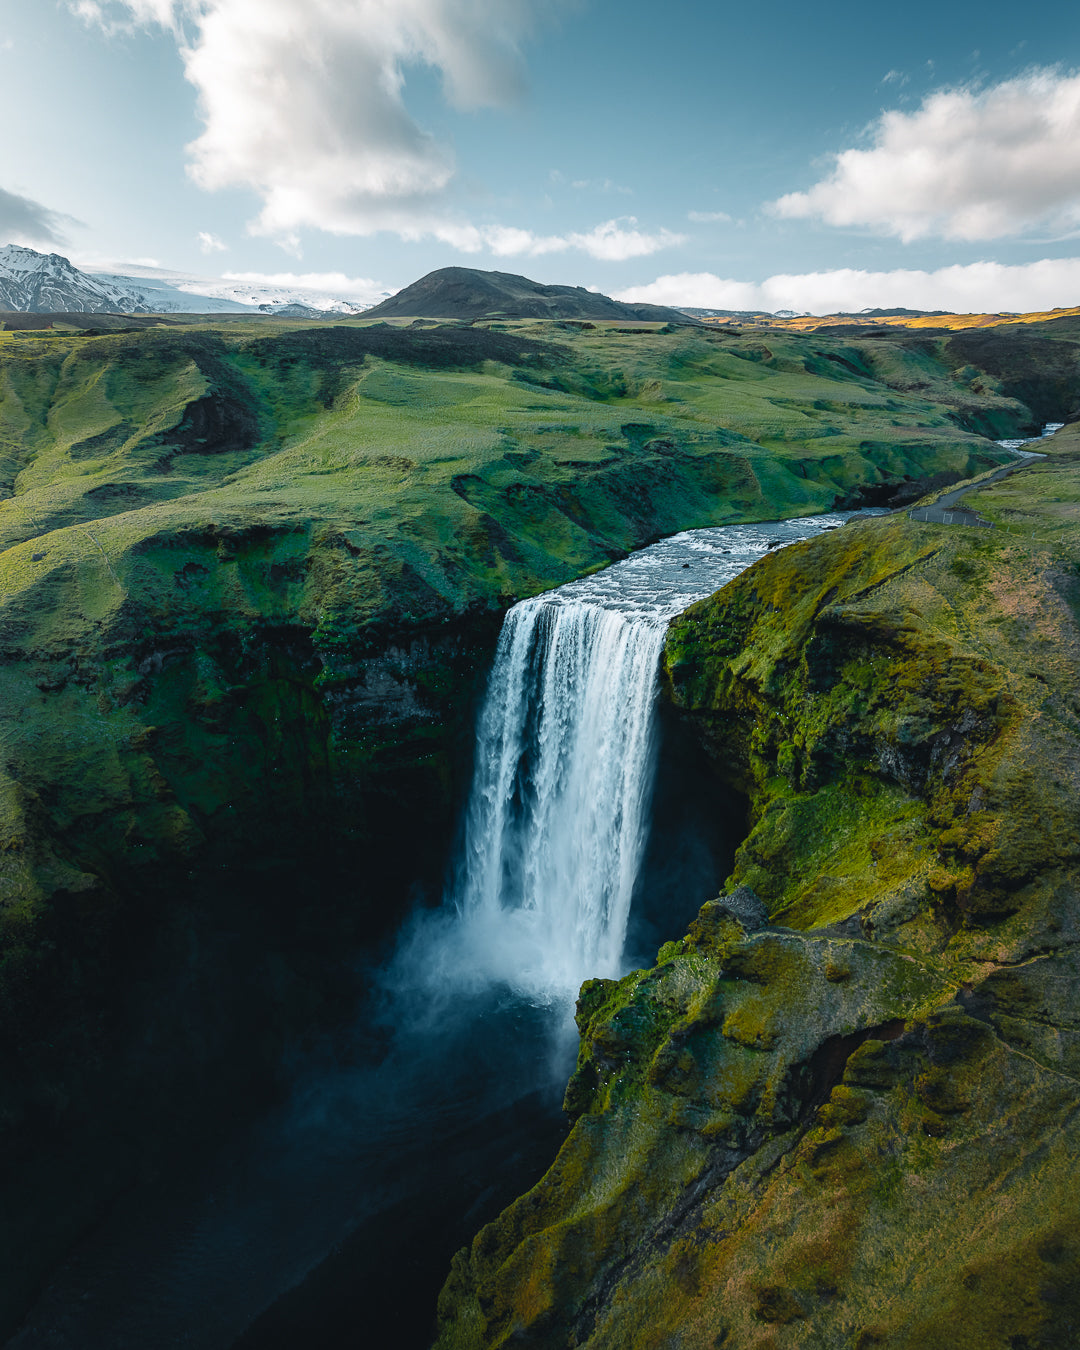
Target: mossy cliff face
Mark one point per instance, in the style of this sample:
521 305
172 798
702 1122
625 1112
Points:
843 1110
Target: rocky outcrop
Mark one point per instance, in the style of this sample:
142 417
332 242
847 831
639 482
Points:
843 1109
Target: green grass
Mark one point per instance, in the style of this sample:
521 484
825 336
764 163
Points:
602 443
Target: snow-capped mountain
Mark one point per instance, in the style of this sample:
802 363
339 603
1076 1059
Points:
46 283
181 293
43 283
170 292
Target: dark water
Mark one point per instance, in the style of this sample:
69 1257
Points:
354 1196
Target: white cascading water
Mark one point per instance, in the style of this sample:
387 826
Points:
557 820
1017 446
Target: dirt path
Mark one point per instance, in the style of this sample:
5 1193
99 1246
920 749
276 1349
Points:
947 511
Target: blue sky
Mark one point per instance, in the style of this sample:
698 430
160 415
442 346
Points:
783 155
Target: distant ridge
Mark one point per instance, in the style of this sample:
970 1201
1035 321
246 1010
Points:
48 283
467 293
45 283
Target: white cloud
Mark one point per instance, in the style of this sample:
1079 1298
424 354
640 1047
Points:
321 289
338 282
24 221
132 13
88 10
968 164
589 184
98 262
608 242
709 217
210 243
601 185
983 287
303 100
611 243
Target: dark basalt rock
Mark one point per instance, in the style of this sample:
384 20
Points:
746 906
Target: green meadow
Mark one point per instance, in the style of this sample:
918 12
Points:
484 464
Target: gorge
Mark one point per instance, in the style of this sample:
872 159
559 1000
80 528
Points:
263 578
476 1001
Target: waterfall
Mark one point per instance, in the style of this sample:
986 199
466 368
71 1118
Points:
471 1009
557 819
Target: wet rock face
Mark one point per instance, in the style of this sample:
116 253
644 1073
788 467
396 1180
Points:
842 1109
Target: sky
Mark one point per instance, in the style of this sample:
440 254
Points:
694 152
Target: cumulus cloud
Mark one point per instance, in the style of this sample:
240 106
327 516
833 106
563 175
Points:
611 241
982 287
210 243
303 100
709 217
968 164
23 221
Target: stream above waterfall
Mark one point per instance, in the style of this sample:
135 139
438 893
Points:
333 1219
